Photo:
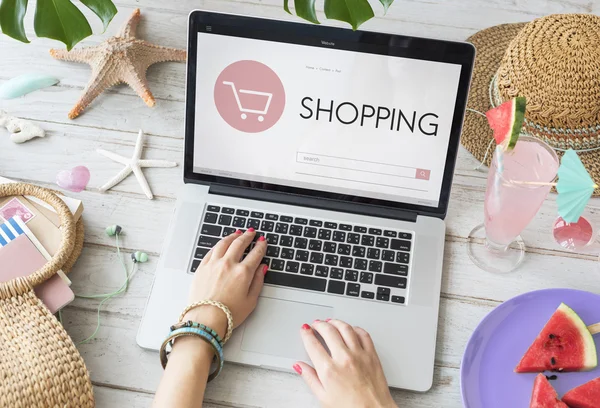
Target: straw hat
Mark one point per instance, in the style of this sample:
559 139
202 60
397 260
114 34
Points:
554 62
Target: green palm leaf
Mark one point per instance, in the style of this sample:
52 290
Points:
353 12
12 13
104 9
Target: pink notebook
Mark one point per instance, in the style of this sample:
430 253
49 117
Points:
21 258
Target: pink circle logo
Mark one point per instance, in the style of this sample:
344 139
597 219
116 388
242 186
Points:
249 96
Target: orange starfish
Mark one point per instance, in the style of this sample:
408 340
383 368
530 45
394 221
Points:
120 59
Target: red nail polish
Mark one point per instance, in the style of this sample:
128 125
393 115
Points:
250 229
328 320
297 368
261 238
238 232
305 326
316 321
265 269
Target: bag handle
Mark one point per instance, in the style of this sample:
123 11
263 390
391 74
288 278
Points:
18 286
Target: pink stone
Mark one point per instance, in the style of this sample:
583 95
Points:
74 180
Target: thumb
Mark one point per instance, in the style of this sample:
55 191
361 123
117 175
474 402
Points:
257 281
310 377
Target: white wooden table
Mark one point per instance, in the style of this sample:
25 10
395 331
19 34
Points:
123 374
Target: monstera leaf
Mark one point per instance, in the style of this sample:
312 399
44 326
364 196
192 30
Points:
56 19
353 12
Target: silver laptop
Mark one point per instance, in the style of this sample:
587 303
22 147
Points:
339 146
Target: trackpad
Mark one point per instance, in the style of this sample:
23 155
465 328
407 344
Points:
274 327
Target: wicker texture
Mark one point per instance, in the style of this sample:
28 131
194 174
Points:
39 364
554 62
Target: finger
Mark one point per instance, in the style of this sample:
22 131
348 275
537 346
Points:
223 245
310 377
332 337
237 247
317 353
255 256
206 258
258 281
365 339
348 334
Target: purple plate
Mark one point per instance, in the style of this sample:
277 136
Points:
487 376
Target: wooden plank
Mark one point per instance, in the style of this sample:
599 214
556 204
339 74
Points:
115 397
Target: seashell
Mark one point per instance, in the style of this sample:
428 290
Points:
24 84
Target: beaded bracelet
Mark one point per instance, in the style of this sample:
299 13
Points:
200 326
192 331
214 303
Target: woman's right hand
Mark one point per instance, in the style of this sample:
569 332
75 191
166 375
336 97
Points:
352 375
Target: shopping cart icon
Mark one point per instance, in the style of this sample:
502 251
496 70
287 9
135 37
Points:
244 111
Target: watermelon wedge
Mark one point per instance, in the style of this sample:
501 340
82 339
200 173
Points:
506 121
584 396
565 344
544 395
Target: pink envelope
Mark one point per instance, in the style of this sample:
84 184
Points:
21 258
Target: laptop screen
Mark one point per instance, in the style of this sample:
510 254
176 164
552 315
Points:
337 121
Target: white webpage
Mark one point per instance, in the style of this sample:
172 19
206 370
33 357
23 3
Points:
331 120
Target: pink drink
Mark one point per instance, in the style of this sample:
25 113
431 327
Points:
510 205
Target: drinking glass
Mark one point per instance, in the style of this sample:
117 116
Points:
518 183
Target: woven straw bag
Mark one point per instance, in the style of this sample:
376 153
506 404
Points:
39 364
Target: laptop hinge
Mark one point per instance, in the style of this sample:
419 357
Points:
313 202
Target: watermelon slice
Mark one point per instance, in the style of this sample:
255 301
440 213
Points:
565 344
544 395
584 396
506 121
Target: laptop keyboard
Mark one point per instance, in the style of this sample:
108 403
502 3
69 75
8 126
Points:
318 255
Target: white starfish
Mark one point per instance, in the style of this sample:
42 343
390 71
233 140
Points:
135 165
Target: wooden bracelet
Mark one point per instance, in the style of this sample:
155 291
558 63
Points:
214 303
164 353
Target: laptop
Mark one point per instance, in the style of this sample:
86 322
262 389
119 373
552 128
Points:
339 147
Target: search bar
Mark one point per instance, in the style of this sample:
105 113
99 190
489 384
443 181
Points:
363 166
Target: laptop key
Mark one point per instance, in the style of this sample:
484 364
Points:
383 294
395 269
345 227
253 223
325 234
367 295
214 230
301 221
273 251
362 230
301 256
227 210
375 231
316 257
404 235
322 271
400 245
257 214
272 217
390 281
296 230
402 257
300 243
211 218
331 260
195 265
336 287
267 226
381 242
398 299
344 249
360 264
331 225
351 276
336 273
307 269
375 266
281 228
296 281
228 231
277 264
353 238
291 266
310 232
330 247
200 253
208 242
243 213
392 234
239 222
359 251
346 262
353 289
366 277
315 245
286 218
213 208
287 253
388 255
339 236
373 253
272 239
315 223
286 241
225 220
367 240
266 261
384 291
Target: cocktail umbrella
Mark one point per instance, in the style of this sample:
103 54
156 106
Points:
575 187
